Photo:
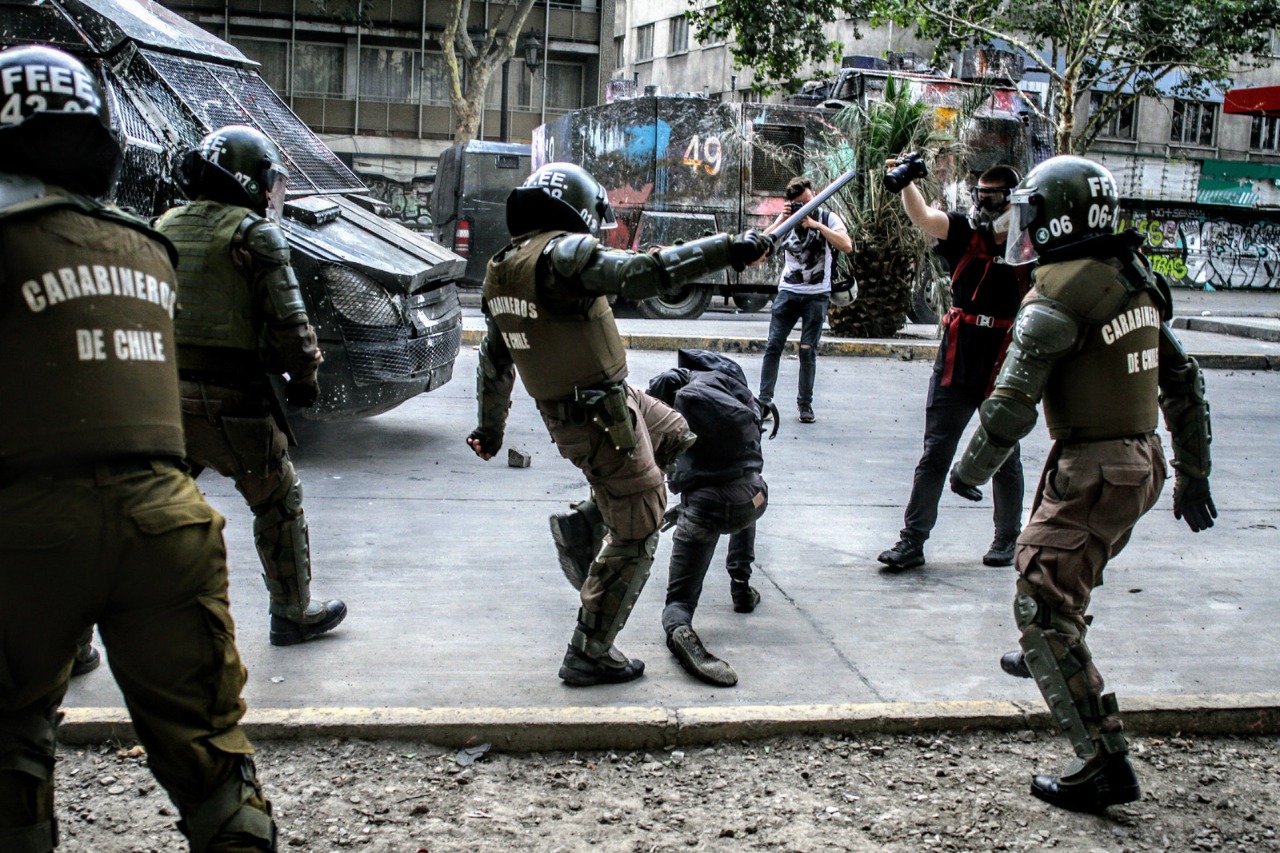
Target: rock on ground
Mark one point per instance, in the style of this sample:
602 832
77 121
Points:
935 792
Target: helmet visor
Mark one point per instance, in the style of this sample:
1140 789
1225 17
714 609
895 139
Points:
277 179
1018 248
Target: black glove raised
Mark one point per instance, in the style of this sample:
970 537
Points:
747 248
1192 502
963 489
302 393
488 443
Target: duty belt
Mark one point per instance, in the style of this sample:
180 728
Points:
954 317
107 470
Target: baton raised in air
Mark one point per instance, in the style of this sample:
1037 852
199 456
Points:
810 206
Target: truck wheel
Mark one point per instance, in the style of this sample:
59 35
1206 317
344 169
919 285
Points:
750 303
924 298
688 304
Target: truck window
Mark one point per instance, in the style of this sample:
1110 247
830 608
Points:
776 157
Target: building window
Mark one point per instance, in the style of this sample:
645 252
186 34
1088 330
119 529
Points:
679 34
1193 122
564 86
644 42
435 78
319 70
1265 134
388 74
1121 124
619 54
271 56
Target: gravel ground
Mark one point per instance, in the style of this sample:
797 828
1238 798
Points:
948 792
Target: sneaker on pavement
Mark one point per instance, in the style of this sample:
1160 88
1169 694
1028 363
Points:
685 644
1001 551
745 596
806 414
907 554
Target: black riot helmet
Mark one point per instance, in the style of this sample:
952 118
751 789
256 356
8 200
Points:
559 197
237 165
54 122
1061 203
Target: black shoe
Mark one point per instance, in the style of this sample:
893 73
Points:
575 545
1001 551
1112 783
87 660
806 414
578 670
1015 663
907 554
697 661
745 597
286 632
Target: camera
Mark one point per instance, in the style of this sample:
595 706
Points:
793 206
910 167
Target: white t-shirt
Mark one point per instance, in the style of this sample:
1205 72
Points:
808 260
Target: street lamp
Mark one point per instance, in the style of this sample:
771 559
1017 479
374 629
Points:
532 51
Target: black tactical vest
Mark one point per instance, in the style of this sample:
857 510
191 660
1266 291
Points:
86 336
553 352
1107 387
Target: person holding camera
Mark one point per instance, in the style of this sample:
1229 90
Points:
985 295
808 267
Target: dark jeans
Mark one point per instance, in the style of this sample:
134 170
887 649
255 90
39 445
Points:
788 307
705 515
946 415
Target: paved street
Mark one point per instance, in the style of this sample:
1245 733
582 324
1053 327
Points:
457 602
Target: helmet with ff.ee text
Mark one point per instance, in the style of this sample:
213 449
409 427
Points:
237 165
559 197
54 121
1064 201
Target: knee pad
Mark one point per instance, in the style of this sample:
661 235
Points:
235 813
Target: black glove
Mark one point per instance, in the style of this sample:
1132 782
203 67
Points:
747 248
1192 501
488 443
302 393
963 489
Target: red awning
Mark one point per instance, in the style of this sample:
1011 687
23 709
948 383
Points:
1253 101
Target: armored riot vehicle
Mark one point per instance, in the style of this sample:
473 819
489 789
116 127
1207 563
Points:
382 298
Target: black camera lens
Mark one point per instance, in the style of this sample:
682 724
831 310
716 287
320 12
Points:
910 167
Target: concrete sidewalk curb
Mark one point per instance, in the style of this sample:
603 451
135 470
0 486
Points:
906 350
1227 327
653 727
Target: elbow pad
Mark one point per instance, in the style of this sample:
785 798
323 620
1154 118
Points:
1185 408
1005 420
1043 332
268 250
605 271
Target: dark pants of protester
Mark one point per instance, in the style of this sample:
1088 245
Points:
705 515
947 413
788 308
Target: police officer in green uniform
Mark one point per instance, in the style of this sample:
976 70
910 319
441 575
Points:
240 317
1093 341
99 522
547 314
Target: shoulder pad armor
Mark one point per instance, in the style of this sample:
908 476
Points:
1093 290
264 239
570 254
1045 328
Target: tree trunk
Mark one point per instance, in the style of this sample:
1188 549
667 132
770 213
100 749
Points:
885 282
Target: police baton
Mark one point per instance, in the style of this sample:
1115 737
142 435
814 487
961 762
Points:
789 224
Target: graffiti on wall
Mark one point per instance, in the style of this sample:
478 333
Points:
1204 248
410 202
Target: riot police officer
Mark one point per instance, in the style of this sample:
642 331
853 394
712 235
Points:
241 317
547 315
102 523
1093 341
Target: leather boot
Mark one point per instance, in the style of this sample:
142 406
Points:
1090 786
685 644
1001 551
87 660
745 596
907 554
579 670
1015 664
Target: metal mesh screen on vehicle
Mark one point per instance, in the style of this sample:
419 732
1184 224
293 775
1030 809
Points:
379 344
219 95
777 156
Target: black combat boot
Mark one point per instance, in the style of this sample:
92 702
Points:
1001 551
907 554
745 596
1015 663
579 670
1105 780
322 616
87 660
685 644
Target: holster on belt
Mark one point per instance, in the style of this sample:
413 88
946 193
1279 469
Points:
608 409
